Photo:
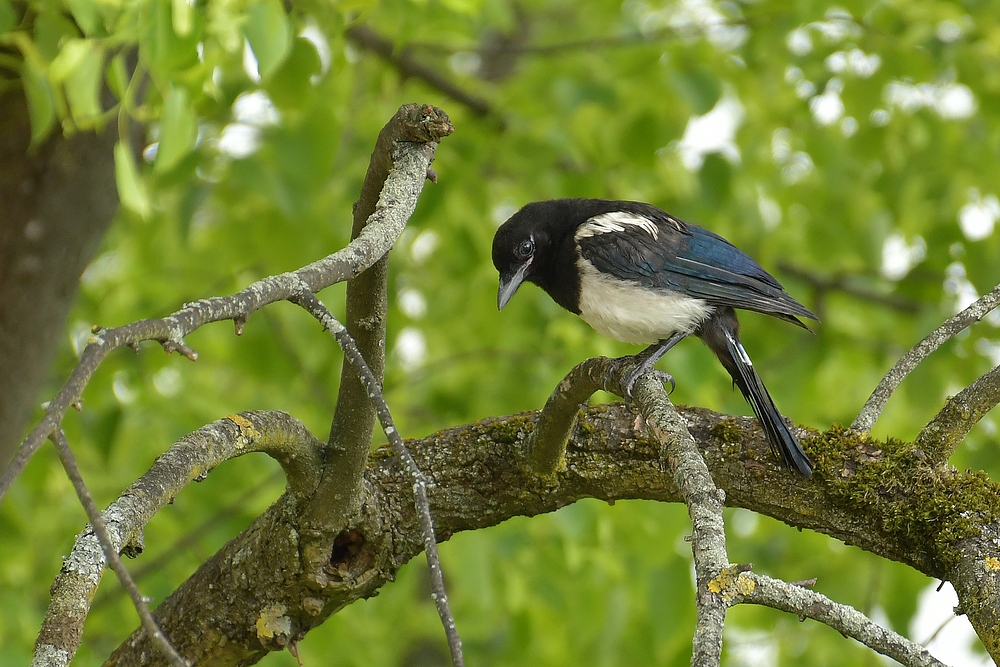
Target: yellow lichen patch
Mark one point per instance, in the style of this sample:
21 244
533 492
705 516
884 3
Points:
244 424
272 622
745 585
992 563
720 583
731 583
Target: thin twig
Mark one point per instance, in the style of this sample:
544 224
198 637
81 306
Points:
872 408
849 285
704 503
938 630
590 44
311 304
111 553
848 621
403 60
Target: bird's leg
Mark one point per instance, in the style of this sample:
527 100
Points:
648 358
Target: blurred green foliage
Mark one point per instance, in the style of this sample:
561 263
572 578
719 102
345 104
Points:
855 141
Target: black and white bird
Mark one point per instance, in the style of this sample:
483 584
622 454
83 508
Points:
640 275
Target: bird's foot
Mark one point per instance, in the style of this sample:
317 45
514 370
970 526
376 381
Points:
662 376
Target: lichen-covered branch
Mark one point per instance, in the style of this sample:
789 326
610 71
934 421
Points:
194 456
872 408
763 590
975 574
704 503
556 421
49 654
410 130
610 457
547 447
402 188
943 434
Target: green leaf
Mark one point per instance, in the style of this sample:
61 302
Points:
117 76
167 51
69 58
131 187
83 87
270 35
8 17
463 6
178 129
699 87
182 13
41 104
51 31
87 14
292 85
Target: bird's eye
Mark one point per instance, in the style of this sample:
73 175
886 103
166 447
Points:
526 248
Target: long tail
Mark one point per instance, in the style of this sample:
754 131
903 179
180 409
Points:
725 342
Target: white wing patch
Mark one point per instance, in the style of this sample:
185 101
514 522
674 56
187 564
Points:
616 221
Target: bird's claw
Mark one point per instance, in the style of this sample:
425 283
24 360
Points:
664 377
661 376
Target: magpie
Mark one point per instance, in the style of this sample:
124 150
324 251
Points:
637 274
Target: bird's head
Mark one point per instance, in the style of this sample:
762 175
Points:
523 247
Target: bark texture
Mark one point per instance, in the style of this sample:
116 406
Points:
56 202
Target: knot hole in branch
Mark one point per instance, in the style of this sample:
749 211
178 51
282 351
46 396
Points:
351 555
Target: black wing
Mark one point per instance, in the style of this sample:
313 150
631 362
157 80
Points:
693 261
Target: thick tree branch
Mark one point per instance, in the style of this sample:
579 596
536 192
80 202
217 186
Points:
546 448
478 478
190 459
872 408
943 434
976 578
848 621
399 198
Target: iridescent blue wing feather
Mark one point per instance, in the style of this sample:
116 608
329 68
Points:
692 261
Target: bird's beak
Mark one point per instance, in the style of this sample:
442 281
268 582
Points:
510 283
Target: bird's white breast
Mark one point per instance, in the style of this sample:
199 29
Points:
628 312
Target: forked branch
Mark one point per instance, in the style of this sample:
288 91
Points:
424 125
872 408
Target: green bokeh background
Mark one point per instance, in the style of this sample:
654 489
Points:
603 115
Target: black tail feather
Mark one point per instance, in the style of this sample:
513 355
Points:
724 341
